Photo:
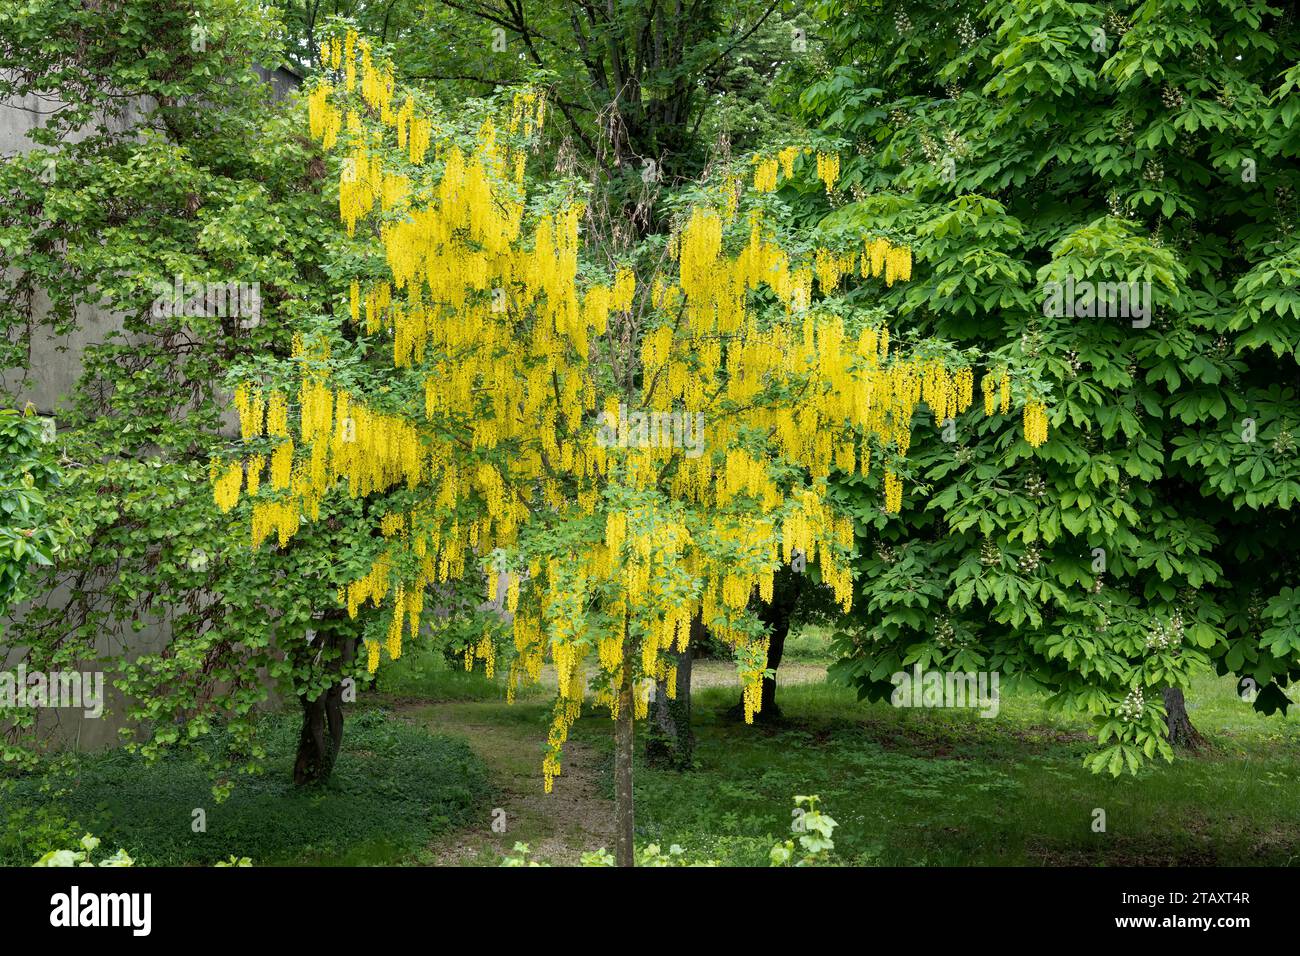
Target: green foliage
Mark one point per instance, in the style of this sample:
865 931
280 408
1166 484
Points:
815 845
89 844
28 535
815 841
198 176
32 825
1153 535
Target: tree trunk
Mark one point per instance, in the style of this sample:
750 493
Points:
321 737
777 615
775 651
623 747
670 742
1181 732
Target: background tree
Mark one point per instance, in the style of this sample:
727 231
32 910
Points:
646 92
1050 142
799 598
166 160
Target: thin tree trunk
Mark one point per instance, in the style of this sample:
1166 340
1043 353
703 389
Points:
1181 732
670 742
624 745
775 651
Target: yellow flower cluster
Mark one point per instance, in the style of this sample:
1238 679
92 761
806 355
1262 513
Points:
828 169
715 284
997 392
340 441
279 516
226 483
528 113
893 492
767 167
251 409
1035 423
485 651
882 258
765 173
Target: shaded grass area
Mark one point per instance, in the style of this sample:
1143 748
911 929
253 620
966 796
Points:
424 674
915 787
811 644
395 787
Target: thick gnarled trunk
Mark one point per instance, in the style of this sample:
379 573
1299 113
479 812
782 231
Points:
321 735
1182 734
320 738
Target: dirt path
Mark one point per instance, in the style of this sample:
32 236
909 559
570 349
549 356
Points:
720 673
574 818
558 827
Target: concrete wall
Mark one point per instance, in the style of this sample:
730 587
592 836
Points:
54 361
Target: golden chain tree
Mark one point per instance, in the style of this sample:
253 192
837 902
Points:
536 417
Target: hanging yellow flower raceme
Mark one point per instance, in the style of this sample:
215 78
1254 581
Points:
765 173
225 485
1035 423
828 169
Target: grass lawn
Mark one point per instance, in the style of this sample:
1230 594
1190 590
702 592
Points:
394 789
908 787
443 771
943 789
